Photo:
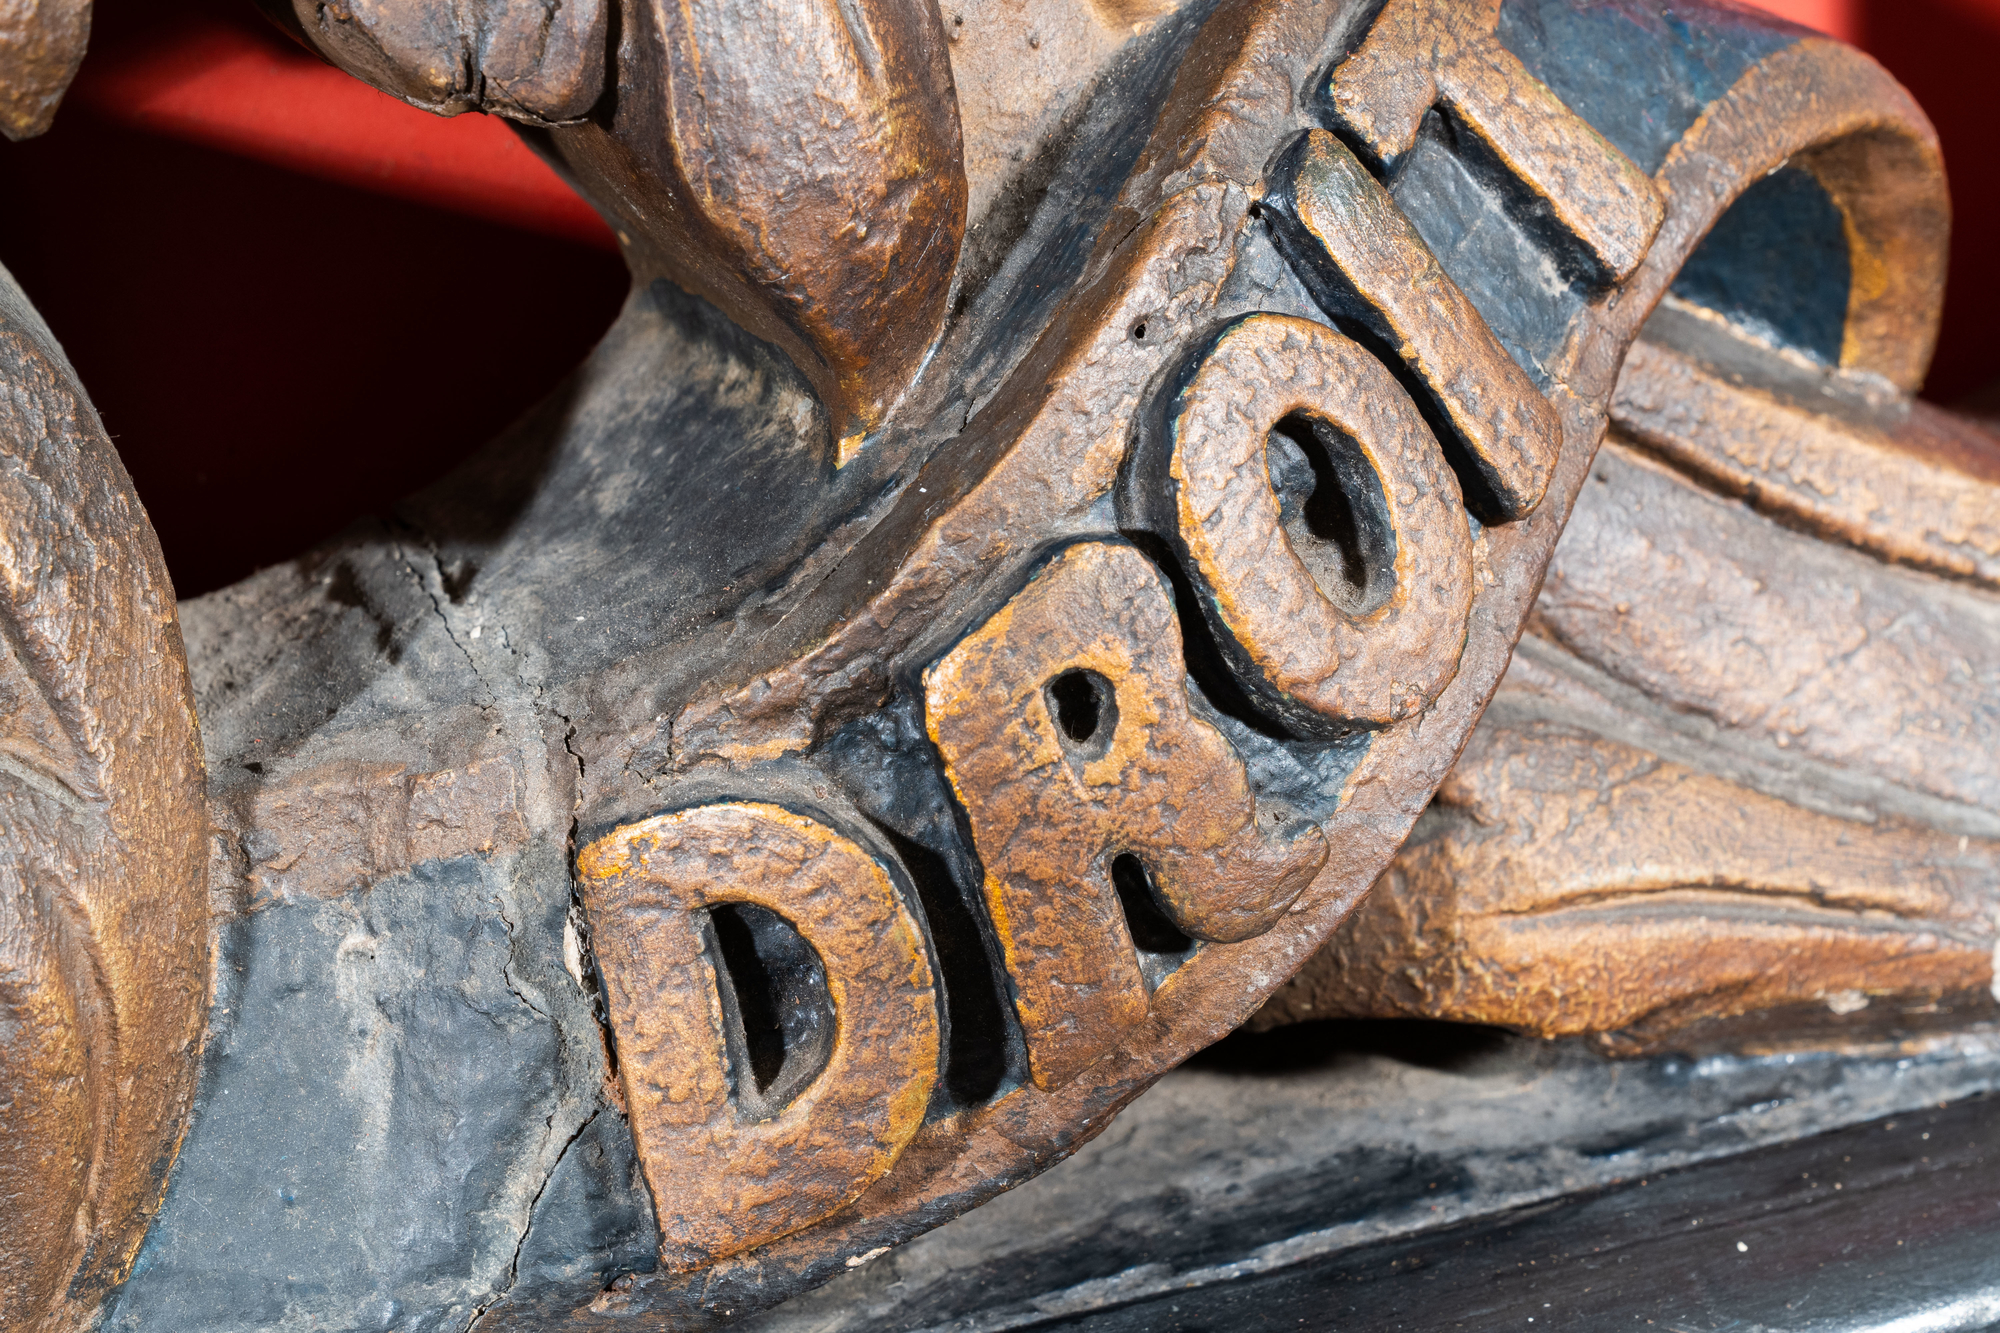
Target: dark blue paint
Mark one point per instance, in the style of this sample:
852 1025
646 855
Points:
382 1072
1510 276
1777 265
1641 72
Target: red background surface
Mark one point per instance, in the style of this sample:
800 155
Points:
294 299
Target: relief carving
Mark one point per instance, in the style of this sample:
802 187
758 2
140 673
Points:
1098 800
1321 523
1312 521
1422 55
104 946
738 1165
1366 263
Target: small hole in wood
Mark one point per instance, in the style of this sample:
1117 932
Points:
1085 708
1139 331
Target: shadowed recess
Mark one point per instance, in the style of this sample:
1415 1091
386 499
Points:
1161 944
777 1012
1086 708
1422 1043
1331 505
1776 265
1210 672
976 1031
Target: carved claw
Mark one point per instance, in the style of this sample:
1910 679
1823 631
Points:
797 162
537 61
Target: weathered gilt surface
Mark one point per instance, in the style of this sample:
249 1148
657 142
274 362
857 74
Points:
1103 804
104 938
743 1156
1005 589
41 46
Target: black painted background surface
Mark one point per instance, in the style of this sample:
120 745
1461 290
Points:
1888 1225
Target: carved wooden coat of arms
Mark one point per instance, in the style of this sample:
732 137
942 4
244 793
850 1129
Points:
1100 522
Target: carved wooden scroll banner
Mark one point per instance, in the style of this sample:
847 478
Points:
928 674
1669 831
1101 802
1739 785
1180 751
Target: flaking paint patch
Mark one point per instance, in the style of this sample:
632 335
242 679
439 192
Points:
1993 985
573 952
